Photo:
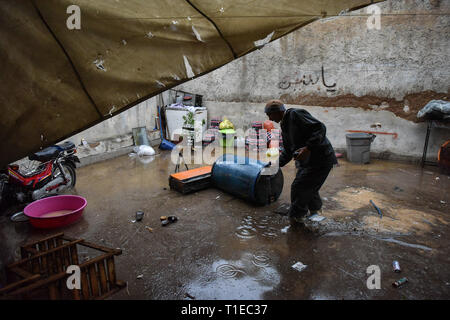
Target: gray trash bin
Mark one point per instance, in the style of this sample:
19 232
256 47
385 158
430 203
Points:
358 147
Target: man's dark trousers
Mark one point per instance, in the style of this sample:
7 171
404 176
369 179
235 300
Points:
305 190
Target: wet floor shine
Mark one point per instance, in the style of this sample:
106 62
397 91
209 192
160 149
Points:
224 248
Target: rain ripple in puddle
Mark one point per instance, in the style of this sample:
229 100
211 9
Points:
250 227
246 229
260 259
229 271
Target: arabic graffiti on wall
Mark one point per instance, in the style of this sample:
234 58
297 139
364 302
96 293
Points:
306 80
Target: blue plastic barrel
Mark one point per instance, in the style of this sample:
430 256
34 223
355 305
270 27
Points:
241 176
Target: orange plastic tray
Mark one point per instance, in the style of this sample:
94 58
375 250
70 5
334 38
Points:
189 174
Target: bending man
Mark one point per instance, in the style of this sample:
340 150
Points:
304 139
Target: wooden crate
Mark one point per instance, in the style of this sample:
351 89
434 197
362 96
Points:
41 273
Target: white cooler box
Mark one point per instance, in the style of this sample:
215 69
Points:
175 122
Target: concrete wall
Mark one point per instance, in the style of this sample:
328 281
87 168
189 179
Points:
381 76
407 146
113 137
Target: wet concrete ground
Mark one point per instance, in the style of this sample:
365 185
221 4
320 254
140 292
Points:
224 248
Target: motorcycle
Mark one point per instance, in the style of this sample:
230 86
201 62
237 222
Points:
55 173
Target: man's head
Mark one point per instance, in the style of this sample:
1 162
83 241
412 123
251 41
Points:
275 110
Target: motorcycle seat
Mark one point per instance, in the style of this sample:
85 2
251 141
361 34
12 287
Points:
47 154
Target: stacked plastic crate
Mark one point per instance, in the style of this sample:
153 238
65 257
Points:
212 132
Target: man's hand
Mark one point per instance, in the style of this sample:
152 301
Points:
302 153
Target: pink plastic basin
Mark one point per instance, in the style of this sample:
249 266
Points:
37 210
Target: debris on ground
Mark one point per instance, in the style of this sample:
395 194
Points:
217 197
149 229
163 218
139 215
299 266
400 282
398 189
396 266
187 295
285 229
168 220
316 217
376 208
140 276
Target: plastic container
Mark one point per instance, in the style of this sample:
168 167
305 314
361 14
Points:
242 177
37 211
227 137
358 147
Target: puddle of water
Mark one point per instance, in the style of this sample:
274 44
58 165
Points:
246 278
228 271
251 227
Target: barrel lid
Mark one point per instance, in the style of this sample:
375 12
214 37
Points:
359 135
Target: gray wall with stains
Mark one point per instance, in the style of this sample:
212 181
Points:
370 76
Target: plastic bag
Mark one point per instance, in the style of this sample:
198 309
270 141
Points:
144 150
435 110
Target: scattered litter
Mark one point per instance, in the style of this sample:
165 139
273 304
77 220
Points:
443 202
316 217
437 178
217 197
376 208
99 64
84 142
144 150
400 282
163 218
187 295
150 35
139 215
168 220
184 209
133 221
326 199
124 42
299 266
285 229
396 266
140 276
149 229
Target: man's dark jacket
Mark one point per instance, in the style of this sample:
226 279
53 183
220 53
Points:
299 129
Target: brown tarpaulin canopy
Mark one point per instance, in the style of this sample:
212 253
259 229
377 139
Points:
56 82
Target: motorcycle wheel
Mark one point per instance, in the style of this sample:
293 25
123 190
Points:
70 175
